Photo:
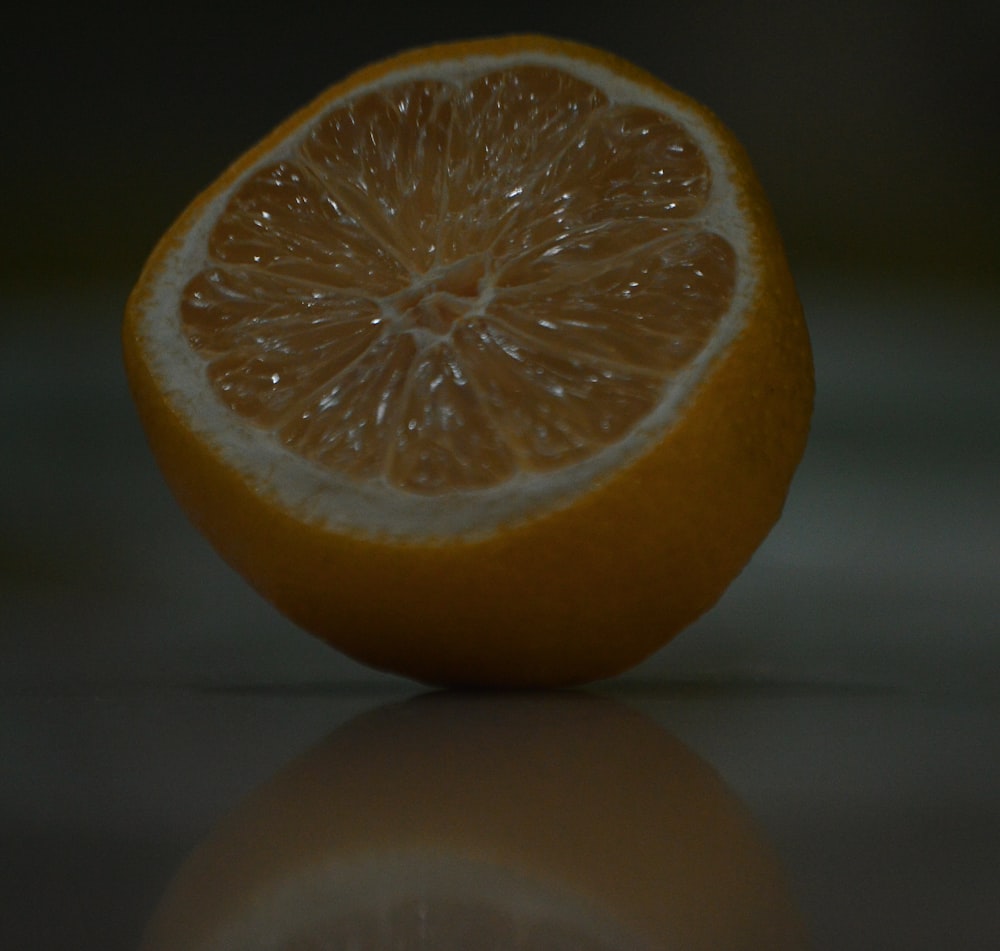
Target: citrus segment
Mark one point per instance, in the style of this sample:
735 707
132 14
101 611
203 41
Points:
470 304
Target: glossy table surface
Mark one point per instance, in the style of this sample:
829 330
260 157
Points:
815 763
728 815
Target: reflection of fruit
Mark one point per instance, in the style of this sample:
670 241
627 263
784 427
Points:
487 366
522 818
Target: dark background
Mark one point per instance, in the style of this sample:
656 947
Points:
873 123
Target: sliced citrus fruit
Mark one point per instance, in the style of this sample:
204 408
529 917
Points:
487 366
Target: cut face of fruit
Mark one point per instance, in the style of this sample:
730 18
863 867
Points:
457 296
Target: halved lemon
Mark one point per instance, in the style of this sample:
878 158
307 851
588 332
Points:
487 366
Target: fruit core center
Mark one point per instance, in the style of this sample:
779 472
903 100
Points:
435 301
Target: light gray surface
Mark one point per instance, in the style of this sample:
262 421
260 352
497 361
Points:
845 688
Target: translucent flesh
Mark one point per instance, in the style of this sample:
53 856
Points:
449 284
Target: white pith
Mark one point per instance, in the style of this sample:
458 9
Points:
376 508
